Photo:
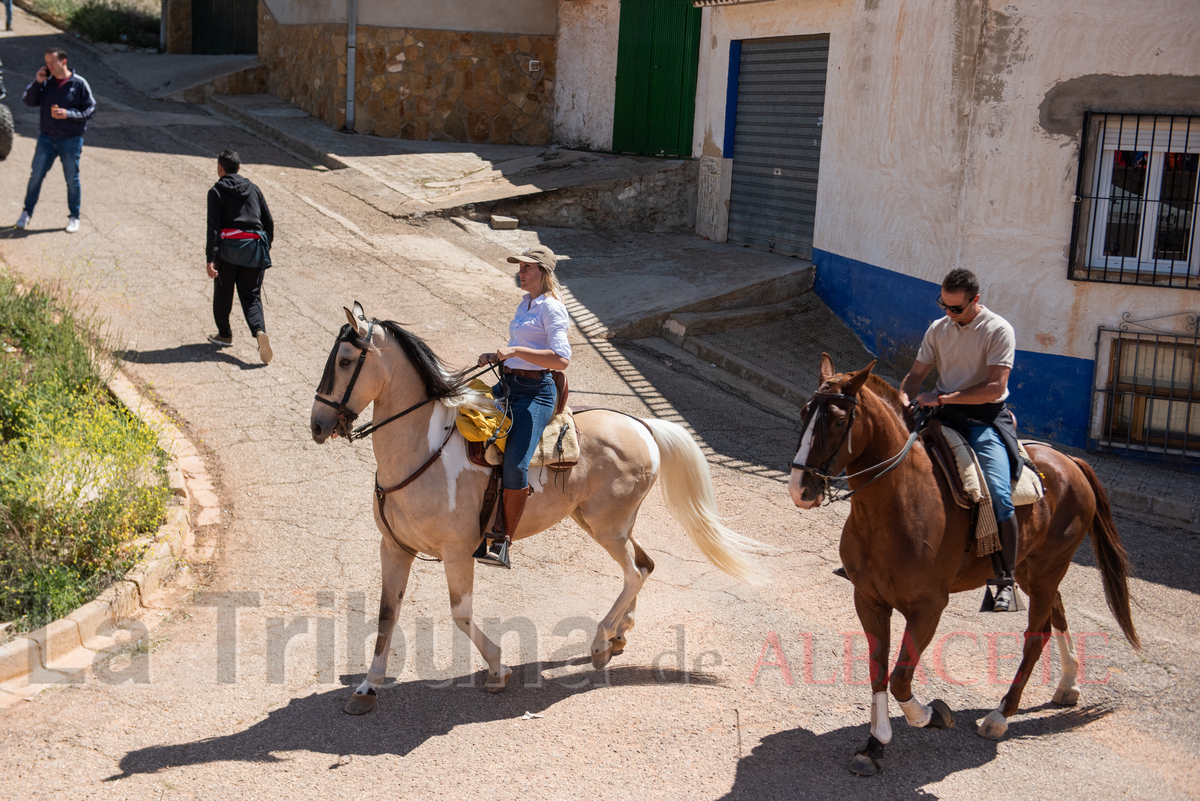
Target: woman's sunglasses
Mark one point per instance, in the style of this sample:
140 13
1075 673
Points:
952 309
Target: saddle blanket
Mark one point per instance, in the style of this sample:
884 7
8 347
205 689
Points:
558 448
1028 488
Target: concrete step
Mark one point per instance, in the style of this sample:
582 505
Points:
776 347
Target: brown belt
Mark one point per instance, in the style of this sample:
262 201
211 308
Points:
525 373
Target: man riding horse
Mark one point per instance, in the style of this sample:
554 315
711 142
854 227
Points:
973 348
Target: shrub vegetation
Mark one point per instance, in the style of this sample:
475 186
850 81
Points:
81 479
132 22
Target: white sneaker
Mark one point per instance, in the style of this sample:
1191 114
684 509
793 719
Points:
264 347
23 220
72 225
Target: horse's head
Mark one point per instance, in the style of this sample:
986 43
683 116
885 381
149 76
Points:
351 380
825 438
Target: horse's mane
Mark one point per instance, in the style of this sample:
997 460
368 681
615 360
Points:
441 383
891 396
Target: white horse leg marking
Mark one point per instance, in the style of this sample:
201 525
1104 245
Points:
917 714
881 726
1067 693
994 725
396 567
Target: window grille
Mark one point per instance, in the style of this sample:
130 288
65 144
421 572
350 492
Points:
1135 212
1146 398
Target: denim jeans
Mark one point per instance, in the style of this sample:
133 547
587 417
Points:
8 13
531 402
993 458
68 149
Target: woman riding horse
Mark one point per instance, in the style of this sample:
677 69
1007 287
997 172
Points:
537 347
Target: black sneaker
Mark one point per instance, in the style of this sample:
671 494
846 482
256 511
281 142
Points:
220 341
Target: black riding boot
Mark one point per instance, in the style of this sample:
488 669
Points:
1006 586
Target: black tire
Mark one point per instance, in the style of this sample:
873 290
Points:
6 131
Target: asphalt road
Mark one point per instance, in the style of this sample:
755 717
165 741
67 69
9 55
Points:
701 705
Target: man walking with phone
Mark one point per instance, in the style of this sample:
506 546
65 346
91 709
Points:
67 104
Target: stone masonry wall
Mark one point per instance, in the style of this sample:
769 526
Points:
417 84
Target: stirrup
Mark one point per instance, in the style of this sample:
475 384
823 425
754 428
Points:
496 555
990 601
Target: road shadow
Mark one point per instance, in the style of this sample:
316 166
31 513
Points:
12 232
182 354
406 716
799 763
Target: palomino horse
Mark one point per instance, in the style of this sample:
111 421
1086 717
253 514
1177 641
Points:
905 545
437 511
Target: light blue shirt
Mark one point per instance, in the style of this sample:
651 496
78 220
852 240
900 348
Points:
539 324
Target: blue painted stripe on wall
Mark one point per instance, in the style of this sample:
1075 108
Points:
731 93
889 312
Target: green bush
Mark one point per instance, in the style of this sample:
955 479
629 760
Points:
134 22
116 21
81 479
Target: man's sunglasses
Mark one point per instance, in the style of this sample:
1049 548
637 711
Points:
952 309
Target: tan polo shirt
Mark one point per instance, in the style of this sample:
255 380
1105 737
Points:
963 353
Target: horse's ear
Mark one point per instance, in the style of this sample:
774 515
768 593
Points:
358 311
858 379
350 317
827 368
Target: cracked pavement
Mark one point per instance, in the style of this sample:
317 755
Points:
677 715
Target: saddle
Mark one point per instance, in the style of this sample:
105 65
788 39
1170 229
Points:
958 463
558 448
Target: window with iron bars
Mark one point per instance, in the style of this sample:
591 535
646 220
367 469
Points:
1135 213
1150 402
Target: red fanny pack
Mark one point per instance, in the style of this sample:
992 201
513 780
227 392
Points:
237 233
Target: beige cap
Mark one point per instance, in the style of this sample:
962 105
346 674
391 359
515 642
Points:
538 254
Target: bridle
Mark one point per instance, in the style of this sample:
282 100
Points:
821 399
346 417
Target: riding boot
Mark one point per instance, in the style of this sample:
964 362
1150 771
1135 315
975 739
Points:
508 516
1006 585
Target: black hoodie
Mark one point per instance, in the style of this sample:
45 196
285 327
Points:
234 202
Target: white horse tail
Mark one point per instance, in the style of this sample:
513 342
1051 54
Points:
688 490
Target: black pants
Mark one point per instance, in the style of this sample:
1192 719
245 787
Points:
248 281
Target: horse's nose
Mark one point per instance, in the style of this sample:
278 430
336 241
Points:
317 430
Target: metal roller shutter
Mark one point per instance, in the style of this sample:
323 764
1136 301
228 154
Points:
777 144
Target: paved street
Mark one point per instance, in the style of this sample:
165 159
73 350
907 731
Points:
701 705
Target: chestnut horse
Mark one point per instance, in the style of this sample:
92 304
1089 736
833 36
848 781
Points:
436 494
906 545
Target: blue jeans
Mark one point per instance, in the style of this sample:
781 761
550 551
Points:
993 458
8 14
68 149
531 402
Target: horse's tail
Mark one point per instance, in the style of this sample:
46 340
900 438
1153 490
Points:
1111 556
688 490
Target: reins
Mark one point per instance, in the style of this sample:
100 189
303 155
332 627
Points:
831 493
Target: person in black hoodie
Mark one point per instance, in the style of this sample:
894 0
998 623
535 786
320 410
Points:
67 104
238 251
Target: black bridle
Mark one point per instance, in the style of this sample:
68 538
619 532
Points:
821 400
346 417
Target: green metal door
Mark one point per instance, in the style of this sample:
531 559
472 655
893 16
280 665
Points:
658 51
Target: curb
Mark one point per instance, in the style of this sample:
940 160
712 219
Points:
61 650
316 155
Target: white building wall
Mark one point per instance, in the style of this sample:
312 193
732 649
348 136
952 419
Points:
933 155
586 92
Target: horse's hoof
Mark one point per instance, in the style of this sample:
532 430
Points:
993 726
864 764
600 659
942 718
618 645
1066 696
497 683
361 703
